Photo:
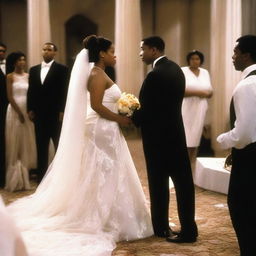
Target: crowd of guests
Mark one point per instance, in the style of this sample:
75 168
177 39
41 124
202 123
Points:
31 111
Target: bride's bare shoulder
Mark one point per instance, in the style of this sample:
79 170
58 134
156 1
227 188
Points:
97 78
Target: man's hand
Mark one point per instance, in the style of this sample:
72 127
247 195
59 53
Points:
61 114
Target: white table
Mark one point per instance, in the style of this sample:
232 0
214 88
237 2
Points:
211 175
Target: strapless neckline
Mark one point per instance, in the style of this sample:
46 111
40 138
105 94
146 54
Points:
110 86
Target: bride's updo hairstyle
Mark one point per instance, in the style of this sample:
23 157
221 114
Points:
94 45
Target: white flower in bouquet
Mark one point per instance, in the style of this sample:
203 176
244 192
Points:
127 104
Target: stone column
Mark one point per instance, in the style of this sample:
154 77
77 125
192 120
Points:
225 29
129 67
248 17
39 31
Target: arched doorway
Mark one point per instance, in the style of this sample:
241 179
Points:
77 28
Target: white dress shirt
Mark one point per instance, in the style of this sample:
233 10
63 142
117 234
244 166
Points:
156 60
2 66
44 70
244 98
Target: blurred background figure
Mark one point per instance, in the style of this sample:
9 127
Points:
3 106
20 135
195 104
11 243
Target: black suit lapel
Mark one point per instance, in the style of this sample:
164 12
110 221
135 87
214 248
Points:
1 72
141 91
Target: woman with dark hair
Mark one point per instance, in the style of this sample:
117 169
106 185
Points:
91 195
194 107
19 130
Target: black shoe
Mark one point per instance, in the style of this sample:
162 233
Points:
181 239
167 233
175 232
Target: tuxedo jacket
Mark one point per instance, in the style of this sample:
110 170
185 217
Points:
161 98
3 99
3 107
47 100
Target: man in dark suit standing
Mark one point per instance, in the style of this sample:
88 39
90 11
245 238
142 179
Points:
242 139
164 142
46 99
3 107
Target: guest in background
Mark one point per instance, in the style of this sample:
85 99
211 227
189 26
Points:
3 106
195 104
19 133
242 139
46 99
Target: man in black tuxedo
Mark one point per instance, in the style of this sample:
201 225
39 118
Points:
242 139
46 99
164 142
3 107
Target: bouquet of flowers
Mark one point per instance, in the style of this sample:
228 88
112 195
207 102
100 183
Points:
127 104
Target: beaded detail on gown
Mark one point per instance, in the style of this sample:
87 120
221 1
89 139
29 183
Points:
20 139
103 205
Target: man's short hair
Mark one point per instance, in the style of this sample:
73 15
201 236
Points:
3 45
154 41
247 44
54 46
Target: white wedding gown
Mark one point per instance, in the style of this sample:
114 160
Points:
86 214
20 139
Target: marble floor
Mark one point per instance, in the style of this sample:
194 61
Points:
216 235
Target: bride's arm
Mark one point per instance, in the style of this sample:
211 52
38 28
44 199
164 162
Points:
11 98
97 85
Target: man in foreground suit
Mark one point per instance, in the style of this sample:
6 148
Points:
242 139
3 107
46 99
164 142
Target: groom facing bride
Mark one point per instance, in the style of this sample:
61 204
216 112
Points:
164 142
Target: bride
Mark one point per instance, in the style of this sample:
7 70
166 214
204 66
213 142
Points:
91 196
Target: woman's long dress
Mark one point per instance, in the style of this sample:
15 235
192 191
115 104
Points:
20 139
194 108
105 204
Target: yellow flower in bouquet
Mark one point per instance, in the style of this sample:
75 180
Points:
127 104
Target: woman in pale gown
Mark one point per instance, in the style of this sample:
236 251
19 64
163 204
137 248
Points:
19 130
91 196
